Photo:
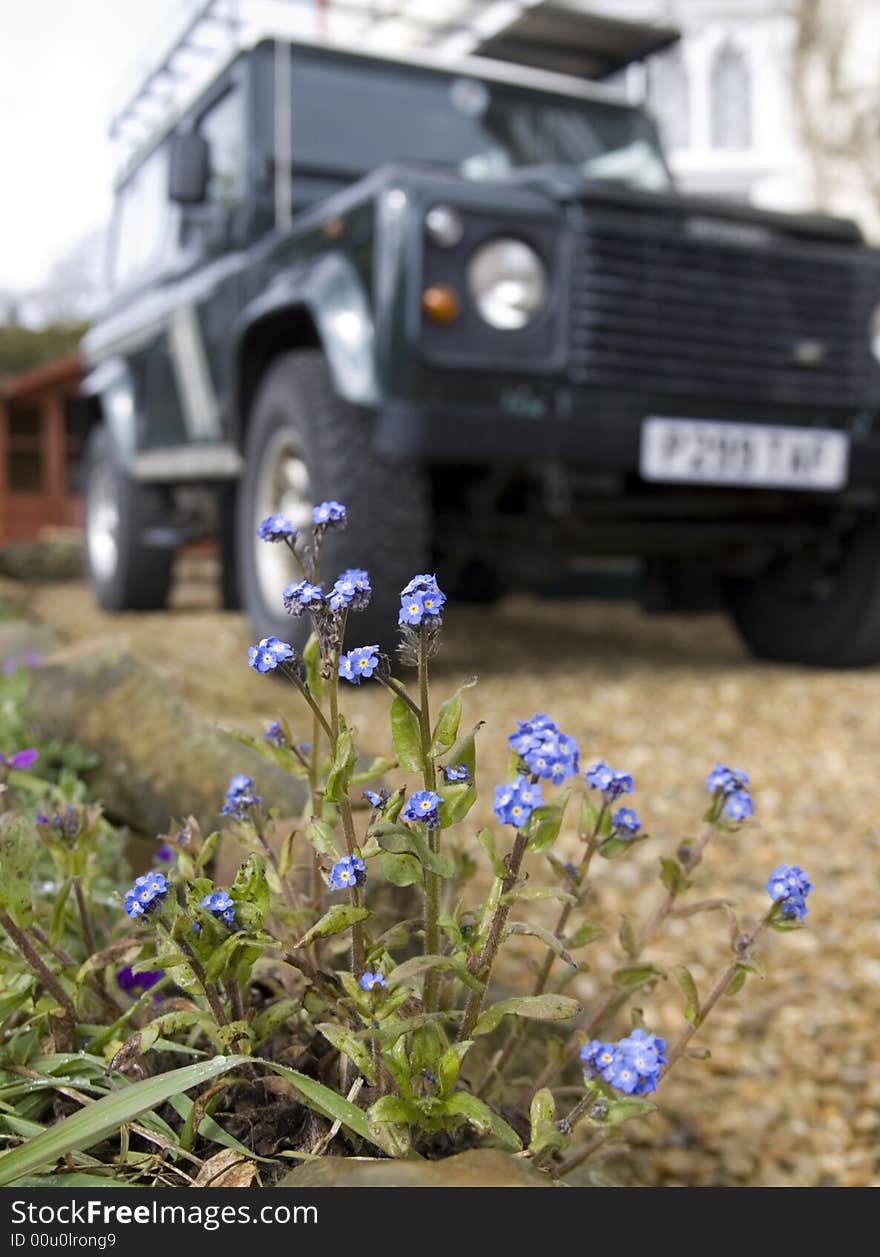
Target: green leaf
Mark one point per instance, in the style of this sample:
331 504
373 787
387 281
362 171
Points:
533 1007
446 728
545 823
672 876
483 1120
544 1132
414 968
401 839
18 852
626 1108
323 839
93 1124
450 1065
634 977
547 937
273 1018
627 937
406 735
312 660
402 870
465 751
344 760
537 892
356 1051
684 978
378 768
458 799
613 848
334 921
486 839
737 981
584 934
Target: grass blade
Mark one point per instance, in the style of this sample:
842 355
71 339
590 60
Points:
90 1125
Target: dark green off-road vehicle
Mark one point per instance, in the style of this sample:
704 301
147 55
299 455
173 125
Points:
468 302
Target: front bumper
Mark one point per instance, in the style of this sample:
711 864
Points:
600 437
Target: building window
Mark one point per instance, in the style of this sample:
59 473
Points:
670 97
24 466
731 99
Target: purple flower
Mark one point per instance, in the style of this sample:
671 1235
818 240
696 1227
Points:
456 772
219 904
302 596
626 821
361 662
165 853
276 528
377 799
788 886
275 734
370 981
347 872
352 590
423 805
515 802
544 749
610 781
268 654
135 983
146 892
20 759
240 797
329 515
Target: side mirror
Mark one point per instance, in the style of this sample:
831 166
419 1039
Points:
188 168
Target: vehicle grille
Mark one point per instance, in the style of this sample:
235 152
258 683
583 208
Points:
656 310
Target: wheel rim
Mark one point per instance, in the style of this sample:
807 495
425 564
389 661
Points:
282 488
102 523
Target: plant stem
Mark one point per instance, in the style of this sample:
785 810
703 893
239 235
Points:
502 1058
493 941
38 967
351 843
319 716
84 916
429 776
610 994
720 985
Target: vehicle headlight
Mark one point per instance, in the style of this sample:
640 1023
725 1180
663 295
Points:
874 332
507 282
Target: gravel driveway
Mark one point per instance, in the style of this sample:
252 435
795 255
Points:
791 1093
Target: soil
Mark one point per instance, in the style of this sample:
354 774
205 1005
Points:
791 1092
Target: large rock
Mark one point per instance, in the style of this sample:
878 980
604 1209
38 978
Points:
480 1167
159 759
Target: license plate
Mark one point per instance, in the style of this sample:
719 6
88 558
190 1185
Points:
710 452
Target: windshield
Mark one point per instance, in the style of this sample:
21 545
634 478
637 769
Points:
353 116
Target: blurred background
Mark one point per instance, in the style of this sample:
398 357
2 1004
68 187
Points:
773 102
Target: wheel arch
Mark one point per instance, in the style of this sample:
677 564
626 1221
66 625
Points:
319 306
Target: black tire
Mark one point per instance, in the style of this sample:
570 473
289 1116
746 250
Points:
128 570
839 627
387 502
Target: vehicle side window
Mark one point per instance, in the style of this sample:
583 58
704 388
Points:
144 222
223 127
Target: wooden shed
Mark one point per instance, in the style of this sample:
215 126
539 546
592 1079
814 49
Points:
39 450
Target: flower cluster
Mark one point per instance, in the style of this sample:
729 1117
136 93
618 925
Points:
276 528
515 802
240 797
733 785
632 1065
361 662
610 781
20 759
302 596
347 872
625 821
370 981
219 904
421 601
456 772
423 805
268 653
146 892
789 886
275 734
544 749
351 591
64 821
329 515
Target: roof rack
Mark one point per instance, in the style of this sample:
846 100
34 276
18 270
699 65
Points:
558 35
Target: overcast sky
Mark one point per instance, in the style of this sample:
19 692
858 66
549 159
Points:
61 62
